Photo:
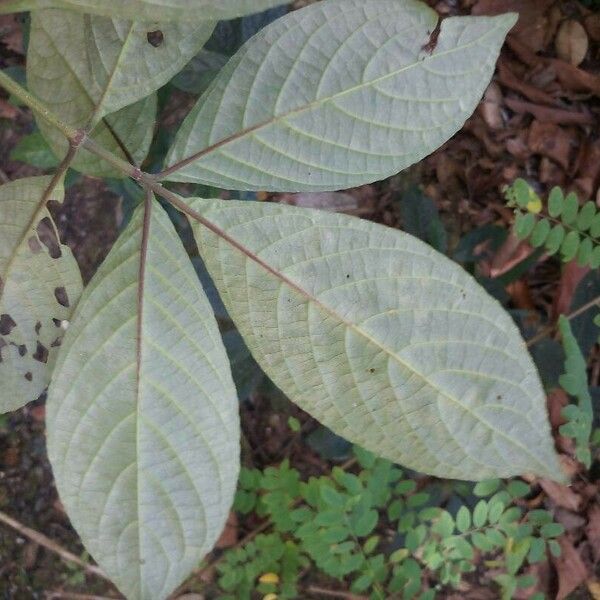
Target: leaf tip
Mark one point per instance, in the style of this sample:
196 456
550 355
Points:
508 20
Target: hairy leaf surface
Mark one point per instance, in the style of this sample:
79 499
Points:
86 68
39 287
143 430
381 338
152 10
338 94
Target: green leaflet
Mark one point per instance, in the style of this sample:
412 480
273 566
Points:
86 68
381 338
575 382
37 273
143 431
151 10
340 93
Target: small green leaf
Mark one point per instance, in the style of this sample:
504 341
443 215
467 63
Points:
371 544
570 211
444 525
294 424
482 542
595 259
595 226
537 551
516 555
365 524
495 537
495 511
526 581
332 497
556 202
551 530
521 191
570 246
555 239
584 254
555 548
586 216
518 489
463 519
540 233
480 514
524 224
486 488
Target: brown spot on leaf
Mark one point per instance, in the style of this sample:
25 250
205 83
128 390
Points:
47 235
38 327
28 376
41 353
61 296
34 245
155 38
6 324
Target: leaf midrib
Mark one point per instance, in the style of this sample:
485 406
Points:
314 104
138 354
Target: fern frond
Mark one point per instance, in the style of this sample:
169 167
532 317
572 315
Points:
564 227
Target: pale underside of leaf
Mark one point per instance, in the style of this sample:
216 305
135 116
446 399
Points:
143 430
86 68
151 10
37 273
381 338
340 93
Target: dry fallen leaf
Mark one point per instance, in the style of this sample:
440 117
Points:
571 42
592 530
7 110
594 589
548 139
561 495
11 33
229 536
534 22
491 107
571 569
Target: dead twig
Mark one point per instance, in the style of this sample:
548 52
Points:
46 542
548 330
315 590
60 595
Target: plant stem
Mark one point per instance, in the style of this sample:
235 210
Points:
548 330
10 85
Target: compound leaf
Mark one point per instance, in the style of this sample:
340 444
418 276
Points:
340 93
150 10
381 338
86 68
39 287
143 431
